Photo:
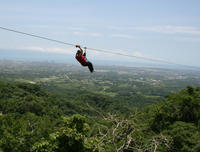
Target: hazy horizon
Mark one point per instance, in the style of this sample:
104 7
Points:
32 56
163 30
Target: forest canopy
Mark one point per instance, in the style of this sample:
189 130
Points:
32 119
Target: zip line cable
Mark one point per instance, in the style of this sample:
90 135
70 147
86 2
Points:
98 50
37 36
134 56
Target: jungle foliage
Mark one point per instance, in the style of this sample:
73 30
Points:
32 119
48 107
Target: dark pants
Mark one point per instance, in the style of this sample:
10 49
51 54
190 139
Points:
89 64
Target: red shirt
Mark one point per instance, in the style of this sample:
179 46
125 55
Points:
81 59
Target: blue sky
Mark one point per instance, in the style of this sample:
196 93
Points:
158 29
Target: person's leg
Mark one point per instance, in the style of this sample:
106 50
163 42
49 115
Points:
90 66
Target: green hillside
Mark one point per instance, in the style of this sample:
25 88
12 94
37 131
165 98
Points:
33 119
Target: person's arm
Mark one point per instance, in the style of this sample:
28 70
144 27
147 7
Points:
80 49
84 54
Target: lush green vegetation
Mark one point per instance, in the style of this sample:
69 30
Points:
33 120
70 111
128 86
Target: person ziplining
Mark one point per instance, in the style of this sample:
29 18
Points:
81 58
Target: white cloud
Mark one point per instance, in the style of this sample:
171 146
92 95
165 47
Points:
48 50
73 28
138 54
122 36
166 29
174 29
37 26
91 34
77 33
122 54
69 51
94 34
143 56
188 39
91 54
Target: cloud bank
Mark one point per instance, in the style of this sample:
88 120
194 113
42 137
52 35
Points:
48 49
166 29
